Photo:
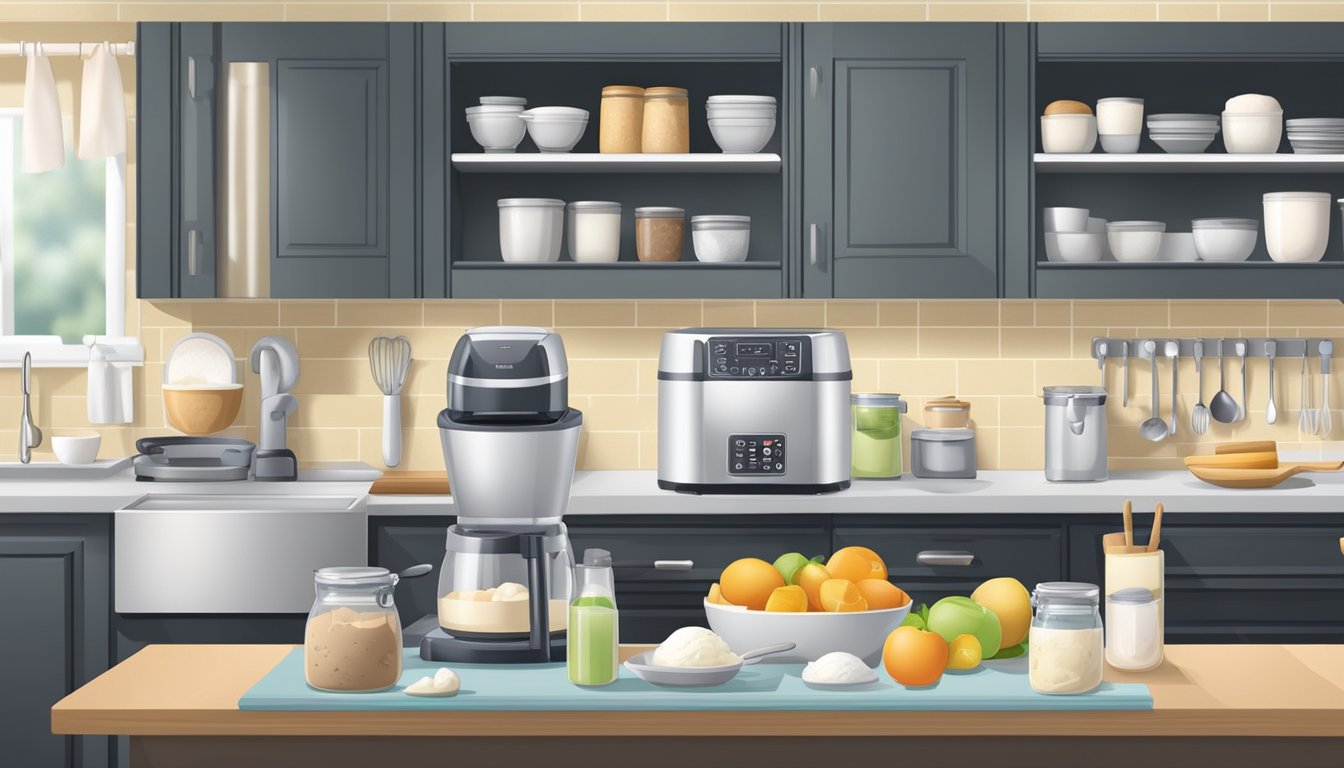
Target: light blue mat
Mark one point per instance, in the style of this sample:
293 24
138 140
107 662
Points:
997 686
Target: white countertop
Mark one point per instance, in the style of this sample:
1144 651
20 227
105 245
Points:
637 493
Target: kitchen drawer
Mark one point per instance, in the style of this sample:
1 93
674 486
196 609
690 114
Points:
1029 554
1236 548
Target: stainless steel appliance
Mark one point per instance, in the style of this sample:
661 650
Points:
753 410
510 442
1075 434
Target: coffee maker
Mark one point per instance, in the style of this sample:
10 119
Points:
510 441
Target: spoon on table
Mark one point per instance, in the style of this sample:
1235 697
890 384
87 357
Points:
1271 410
1223 407
1199 417
1154 429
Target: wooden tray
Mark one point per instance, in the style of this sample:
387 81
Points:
1261 478
420 482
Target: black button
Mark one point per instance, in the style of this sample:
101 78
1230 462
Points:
735 370
737 465
779 467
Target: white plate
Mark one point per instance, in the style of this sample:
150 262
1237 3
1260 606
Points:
680 677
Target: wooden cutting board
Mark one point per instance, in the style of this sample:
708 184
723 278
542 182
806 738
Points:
1261 478
411 482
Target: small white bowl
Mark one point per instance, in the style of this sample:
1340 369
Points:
1075 246
1065 219
497 132
555 129
1068 134
1225 239
1135 240
816 634
1252 133
77 449
741 135
1182 144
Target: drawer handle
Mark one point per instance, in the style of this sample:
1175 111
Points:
944 557
673 565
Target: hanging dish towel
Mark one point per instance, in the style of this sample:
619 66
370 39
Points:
43 142
109 393
102 106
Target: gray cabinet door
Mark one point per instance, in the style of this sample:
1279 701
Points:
55 609
901 160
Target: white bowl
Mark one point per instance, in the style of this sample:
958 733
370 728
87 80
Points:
861 633
1177 246
1297 225
1135 240
555 129
1248 133
530 229
1182 144
1067 134
740 106
741 135
1225 239
1120 143
497 132
720 239
76 449
1075 246
1065 219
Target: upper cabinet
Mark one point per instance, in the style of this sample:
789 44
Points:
907 151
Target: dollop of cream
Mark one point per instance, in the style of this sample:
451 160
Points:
838 668
445 682
694 647
1252 103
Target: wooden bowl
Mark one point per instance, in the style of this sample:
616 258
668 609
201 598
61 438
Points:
202 409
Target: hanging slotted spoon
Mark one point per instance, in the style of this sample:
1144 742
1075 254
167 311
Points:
389 361
1199 417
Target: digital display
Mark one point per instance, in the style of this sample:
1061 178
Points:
755 349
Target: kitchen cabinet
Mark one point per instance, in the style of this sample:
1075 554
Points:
914 141
56 572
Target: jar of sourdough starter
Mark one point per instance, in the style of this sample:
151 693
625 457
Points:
621 122
667 121
353 638
1065 644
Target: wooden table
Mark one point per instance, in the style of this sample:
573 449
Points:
1214 705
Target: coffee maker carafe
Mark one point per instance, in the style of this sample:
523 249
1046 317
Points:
510 442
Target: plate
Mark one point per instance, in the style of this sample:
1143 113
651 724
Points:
679 677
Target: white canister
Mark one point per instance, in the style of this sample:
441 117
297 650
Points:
1120 115
594 231
1133 629
721 238
530 228
1297 225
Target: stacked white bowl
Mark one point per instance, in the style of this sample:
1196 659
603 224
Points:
1179 133
1252 124
555 129
1135 240
1225 239
1316 135
741 124
497 124
1071 236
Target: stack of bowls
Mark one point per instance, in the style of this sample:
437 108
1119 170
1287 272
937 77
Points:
497 124
1069 238
555 129
1178 133
1316 135
1225 239
1135 240
741 124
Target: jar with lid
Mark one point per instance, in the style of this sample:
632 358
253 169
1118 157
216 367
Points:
621 119
593 657
1065 642
947 413
1134 629
667 121
353 638
876 442
660 233
594 231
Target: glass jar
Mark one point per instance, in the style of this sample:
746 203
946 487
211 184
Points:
1066 643
593 657
667 121
1134 629
353 638
876 441
594 231
621 122
659 233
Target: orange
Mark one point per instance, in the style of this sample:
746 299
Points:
964 652
881 593
749 582
841 596
914 657
790 599
810 577
856 564
716 595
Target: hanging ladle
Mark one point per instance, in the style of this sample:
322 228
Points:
1222 406
1154 429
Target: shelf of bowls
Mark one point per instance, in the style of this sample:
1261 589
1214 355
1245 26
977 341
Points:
634 122
1297 224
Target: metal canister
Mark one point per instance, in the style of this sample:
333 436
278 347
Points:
1075 434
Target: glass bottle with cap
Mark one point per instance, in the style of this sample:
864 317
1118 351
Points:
876 451
352 641
1133 629
1065 643
594 638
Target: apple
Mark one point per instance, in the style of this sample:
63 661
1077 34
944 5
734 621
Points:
953 616
788 564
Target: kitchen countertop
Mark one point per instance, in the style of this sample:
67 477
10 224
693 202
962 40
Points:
1200 690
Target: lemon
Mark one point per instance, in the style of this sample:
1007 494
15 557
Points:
964 652
791 599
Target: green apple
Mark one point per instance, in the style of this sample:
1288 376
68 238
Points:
918 617
954 616
788 564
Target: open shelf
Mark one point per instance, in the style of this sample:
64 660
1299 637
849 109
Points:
1189 280
620 279
592 162
632 265
1206 163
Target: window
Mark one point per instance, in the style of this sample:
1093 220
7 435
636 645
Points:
62 250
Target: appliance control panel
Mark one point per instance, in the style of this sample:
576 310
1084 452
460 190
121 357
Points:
756 455
763 357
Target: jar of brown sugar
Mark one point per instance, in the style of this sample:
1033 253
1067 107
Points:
353 638
622 119
659 233
667 121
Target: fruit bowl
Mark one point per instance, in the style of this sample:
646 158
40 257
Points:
816 634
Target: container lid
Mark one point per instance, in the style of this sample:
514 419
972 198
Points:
622 90
557 113
947 404
665 92
1132 596
943 435
517 101
1080 395
596 558
721 222
1312 196
1067 591
733 99
1137 226
595 206
1225 224
494 109
531 202
656 212
1121 100
352 576
877 400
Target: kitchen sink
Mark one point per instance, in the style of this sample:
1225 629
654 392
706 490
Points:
243 502
56 471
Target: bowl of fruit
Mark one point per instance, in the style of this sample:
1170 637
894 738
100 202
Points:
844 604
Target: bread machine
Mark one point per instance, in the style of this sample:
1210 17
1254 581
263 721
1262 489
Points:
753 410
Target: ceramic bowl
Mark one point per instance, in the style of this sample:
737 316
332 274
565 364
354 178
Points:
1067 134
555 129
741 135
1065 219
1135 240
1250 133
861 633
1075 246
77 449
497 132
202 409
1225 239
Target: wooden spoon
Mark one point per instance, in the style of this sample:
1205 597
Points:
1129 523
1156 535
1261 478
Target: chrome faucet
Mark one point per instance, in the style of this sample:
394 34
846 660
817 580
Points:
30 436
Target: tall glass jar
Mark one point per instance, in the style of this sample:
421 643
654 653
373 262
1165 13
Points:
1066 643
593 657
353 638
667 121
621 123
876 441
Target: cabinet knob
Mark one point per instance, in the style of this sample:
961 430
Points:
193 236
933 557
817 233
673 565
814 80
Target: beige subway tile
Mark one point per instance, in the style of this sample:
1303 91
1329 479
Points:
1219 314
1120 313
336 12
608 450
958 343
525 11
165 314
1054 313
603 377
668 314
1092 11
647 377
1050 373
398 11
461 313
1036 343
790 313
851 314
621 413
1187 11
420 449
1021 411
906 11
994 377
353 343
959 313
941 11
1280 11
900 314
324 444
83 12
1305 313
325 411
1017 313
729 314
595 314
866 374
618 343
347 377
1021 447
420 411
374 314
682 11
984 410
932 378
987 448
648 450
235 313
201 12
538 313
310 313
627 11
880 343
1243 11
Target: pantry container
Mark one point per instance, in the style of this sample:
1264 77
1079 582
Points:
1133 629
942 453
947 413
667 121
594 231
1065 639
1297 225
1075 434
352 641
660 233
530 228
876 442
719 239
621 119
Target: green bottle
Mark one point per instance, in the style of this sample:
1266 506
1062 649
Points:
876 442
594 630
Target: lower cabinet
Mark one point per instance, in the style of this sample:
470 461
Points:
55 607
